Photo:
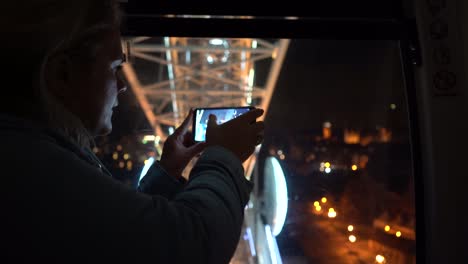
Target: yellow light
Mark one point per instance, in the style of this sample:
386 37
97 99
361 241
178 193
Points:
379 259
352 238
331 214
149 138
398 234
350 228
115 156
327 165
387 228
331 210
129 165
354 168
318 208
393 106
146 162
324 199
126 156
316 203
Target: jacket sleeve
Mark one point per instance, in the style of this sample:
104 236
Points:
108 220
158 182
217 191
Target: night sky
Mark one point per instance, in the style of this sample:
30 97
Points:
349 83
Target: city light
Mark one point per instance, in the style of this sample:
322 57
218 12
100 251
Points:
272 246
352 238
121 164
318 208
254 44
216 41
331 213
251 242
154 138
115 156
324 200
393 106
126 156
119 147
171 130
327 165
327 170
251 77
379 259
398 234
354 167
316 203
210 59
149 138
145 169
387 228
282 157
350 228
277 192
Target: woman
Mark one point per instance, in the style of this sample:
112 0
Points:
59 203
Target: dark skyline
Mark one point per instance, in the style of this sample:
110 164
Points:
349 83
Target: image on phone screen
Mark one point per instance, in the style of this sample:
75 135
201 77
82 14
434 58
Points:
222 114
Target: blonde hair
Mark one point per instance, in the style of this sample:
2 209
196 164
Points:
54 26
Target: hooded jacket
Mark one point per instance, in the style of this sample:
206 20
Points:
60 205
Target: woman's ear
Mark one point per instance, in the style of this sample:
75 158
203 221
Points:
58 75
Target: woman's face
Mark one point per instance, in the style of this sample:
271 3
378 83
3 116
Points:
96 86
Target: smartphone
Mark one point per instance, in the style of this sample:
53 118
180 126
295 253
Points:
223 114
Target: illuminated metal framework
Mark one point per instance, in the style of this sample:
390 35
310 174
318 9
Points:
170 75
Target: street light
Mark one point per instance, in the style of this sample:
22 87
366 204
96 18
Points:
324 199
350 228
379 259
316 203
331 213
352 238
387 228
398 234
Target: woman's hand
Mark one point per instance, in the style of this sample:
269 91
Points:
239 135
180 148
